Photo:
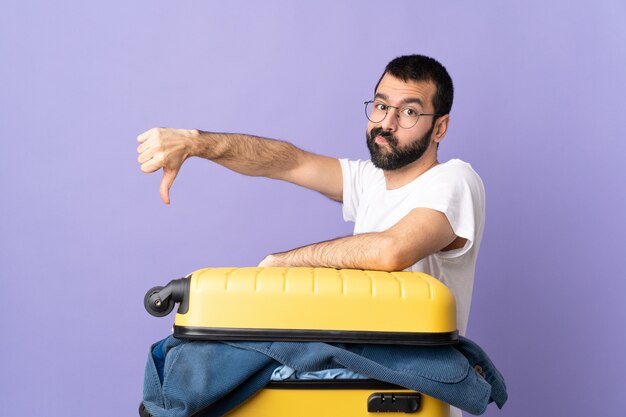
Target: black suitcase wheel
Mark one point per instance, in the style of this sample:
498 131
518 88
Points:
155 306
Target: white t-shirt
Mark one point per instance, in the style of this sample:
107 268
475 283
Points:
452 188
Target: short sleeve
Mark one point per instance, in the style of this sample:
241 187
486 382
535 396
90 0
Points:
457 192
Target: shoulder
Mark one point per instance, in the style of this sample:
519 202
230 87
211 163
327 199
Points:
453 182
364 170
358 164
457 168
456 171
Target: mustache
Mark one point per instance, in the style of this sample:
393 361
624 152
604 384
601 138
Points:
378 131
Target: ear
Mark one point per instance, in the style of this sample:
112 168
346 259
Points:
441 127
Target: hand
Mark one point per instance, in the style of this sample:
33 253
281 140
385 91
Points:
167 149
270 260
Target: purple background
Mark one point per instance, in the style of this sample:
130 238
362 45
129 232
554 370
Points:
83 234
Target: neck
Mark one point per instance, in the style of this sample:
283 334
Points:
401 177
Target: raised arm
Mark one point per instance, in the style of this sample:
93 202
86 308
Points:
248 155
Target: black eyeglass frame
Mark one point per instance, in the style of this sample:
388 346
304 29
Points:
399 108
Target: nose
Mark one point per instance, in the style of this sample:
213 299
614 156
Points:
390 122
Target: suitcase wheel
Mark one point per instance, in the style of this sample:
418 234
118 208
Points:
155 305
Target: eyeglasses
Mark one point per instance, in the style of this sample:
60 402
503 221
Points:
376 111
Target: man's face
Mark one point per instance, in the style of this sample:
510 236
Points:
391 146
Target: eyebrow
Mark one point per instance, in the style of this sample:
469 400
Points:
405 101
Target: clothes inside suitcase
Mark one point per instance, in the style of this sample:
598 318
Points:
315 304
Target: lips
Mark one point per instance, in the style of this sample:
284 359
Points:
379 140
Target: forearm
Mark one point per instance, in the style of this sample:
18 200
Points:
364 251
246 154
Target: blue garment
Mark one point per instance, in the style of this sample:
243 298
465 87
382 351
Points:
183 377
284 373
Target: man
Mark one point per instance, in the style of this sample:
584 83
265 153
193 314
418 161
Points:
410 211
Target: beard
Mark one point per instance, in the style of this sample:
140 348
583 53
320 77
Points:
398 157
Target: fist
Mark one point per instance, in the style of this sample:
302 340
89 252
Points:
269 261
166 149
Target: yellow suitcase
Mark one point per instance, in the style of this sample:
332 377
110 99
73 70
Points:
315 304
336 398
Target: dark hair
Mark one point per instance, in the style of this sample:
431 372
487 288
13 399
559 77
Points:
423 68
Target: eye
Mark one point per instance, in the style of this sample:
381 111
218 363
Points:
380 106
407 111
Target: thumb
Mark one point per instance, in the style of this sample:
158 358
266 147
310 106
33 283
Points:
169 175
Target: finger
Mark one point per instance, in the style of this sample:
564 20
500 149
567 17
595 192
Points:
155 161
151 166
268 261
145 135
144 157
169 175
143 146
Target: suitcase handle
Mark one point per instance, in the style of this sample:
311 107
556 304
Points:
159 301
